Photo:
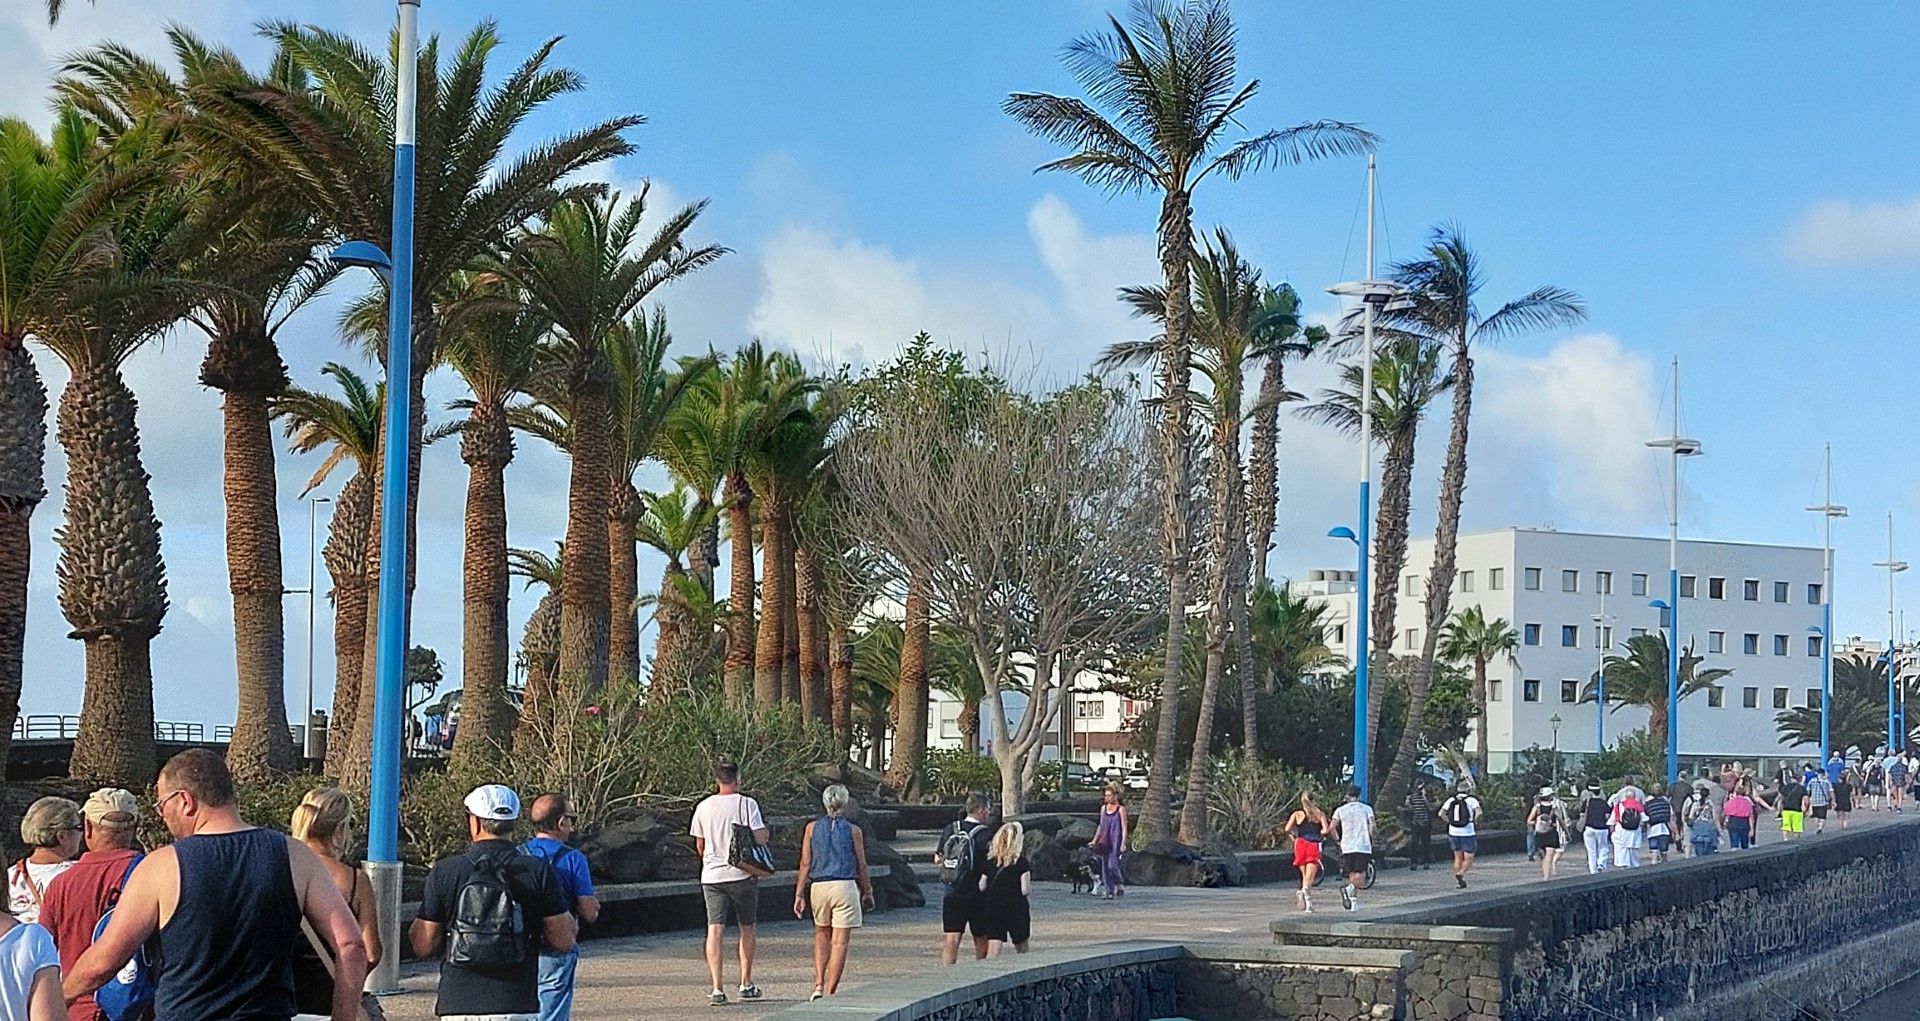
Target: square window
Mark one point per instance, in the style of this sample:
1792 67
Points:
1813 698
1752 590
1716 697
1569 581
1466 581
1413 585
1493 690
1813 646
1639 585
1779 591
1569 636
1813 593
1639 632
1531 692
1413 638
1750 698
1606 638
1497 578
1779 698
1533 579
1716 588
1569 691
1779 645
1751 644
1339 634
1530 634
1716 641
1687 586
1603 582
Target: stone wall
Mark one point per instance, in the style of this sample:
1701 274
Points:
1456 972
1237 984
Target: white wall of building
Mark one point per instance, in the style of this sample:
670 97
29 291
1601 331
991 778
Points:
1101 725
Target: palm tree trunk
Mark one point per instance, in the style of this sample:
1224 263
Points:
705 554
346 558
1446 549
1240 631
623 579
789 602
113 584
737 670
840 687
486 445
1389 559
877 720
1176 251
811 628
909 756
769 644
1480 705
584 622
1263 503
969 723
23 444
669 672
540 644
1226 460
261 748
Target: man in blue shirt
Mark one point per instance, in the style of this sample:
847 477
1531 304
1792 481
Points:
1835 766
553 827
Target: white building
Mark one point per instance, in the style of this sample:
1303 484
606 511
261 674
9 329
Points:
1101 732
1751 608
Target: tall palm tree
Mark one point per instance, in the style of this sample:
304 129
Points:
539 640
1443 284
1286 340
1162 95
1857 719
1639 678
56 198
1289 635
672 523
1407 379
780 468
875 671
1469 637
956 671
689 445
586 270
330 146
348 427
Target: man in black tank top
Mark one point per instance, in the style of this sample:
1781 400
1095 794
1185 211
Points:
226 900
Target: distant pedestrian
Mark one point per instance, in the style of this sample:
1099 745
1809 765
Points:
962 857
1702 820
1819 800
1353 823
76 898
1419 807
1462 813
553 829
29 974
1836 765
1595 815
1792 803
53 830
494 908
1307 825
1005 887
1876 783
1547 822
1659 825
732 894
835 885
1739 812
1897 772
223 905
1629 821
1110 842
324 822
1843 793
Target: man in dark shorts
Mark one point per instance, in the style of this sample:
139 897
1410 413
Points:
732 893
962 857
1353 823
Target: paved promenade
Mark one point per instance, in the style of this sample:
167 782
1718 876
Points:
663 975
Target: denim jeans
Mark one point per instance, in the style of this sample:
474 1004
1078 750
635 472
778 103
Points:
556 984
1739 833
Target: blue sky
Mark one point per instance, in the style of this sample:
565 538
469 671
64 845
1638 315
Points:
1735 190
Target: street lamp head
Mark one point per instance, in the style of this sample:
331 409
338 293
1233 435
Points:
1832 510
1343 532
1555 719
1659 604
365 254
1379 293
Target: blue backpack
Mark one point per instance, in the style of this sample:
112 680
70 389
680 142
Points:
128 995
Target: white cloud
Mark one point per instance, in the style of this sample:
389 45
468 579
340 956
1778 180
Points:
1842 233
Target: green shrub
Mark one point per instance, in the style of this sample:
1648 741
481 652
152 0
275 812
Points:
954 772
1250 798
1637 754
433 816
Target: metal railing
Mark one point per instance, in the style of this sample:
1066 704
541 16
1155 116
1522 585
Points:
58 727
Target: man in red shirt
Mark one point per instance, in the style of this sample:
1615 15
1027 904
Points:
77 898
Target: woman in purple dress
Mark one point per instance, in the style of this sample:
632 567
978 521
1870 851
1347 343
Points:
1109 841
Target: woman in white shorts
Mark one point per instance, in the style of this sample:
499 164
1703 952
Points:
834 884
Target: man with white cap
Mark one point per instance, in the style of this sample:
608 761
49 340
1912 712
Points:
494 907
77 898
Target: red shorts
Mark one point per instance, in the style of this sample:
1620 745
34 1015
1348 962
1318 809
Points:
1305 852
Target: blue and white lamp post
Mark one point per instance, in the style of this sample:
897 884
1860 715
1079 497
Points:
1601 621
1896 726
1827 511
1677 446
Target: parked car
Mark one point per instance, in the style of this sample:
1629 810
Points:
1082 776
1136 779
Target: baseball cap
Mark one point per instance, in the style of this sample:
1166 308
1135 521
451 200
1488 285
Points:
493 801
111 806
1546 792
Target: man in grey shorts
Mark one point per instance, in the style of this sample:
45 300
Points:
731 895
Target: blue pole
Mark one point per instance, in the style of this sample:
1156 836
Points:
1673 675
1826 678
1600 708
1362 609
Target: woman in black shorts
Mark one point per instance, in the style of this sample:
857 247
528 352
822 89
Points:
1007 882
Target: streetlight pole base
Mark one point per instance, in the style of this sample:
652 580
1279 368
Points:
384 979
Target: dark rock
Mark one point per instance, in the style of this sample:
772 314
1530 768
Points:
1076 833
1049 859
628 849
900 889
1166 863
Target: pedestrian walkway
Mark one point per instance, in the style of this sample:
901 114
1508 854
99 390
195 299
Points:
663 975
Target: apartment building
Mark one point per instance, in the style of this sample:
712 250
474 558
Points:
1101 734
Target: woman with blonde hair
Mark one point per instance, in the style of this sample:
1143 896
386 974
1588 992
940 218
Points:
1308 825
52 828
1109 841
1007 883
323 822
835 885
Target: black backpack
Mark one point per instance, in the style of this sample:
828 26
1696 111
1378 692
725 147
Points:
957 853
1459 813
1629 817
488 928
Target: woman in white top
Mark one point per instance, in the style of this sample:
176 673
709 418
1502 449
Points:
29 974
52 828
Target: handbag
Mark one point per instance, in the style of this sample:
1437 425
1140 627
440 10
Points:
370 1009
745 852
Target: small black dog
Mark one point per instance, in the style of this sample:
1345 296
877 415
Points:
1082 868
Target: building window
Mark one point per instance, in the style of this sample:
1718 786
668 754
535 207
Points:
1751 644
1716 641
1089 709
1779 698
1639 585
1531 691
1466 581
1752 590
1603 582
1779 591
1606 637
1339 634
1750 698
1530 634
1716 697
1413 638
1813 698
1779 645
1493 690
1569 636
1813 593
1497 578
1813 646
1687 586
1533 579
1413 584
1716 588
1569 691
1569 581
1639 632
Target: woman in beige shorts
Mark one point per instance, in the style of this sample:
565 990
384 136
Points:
835 885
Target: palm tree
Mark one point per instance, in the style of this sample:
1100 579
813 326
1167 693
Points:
1857 719
1639 678
1470 637
1443 284
688 444
330 147
1163 93
956 671
1286 340
1406 381
673 523
876 659
349 428
585 271
1289 635
780 468
539 640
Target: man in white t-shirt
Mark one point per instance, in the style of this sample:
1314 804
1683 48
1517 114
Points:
730 892
1460 812
1353 821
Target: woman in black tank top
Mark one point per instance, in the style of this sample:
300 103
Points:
1307 825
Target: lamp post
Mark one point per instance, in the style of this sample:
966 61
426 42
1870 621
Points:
1554 721
1601 621
1827 511
1894 566
1677 446
309 750
1360 656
